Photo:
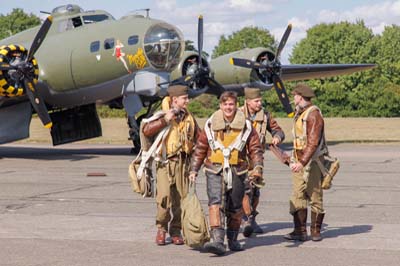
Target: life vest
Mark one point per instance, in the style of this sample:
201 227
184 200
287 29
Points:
217 156
300 128
181 134
259 123
226 151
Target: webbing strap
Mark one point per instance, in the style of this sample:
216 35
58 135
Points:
238 144
153 151
263 130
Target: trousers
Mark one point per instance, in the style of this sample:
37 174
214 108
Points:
172 187
307 189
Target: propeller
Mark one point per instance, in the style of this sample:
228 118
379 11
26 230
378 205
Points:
271 70
23 71
198 73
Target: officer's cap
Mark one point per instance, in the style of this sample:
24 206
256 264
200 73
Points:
303 90
177 90
252 93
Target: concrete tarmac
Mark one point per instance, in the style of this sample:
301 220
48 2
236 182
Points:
73 205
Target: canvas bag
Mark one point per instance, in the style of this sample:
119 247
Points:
329 168
141 184
140 169
194 225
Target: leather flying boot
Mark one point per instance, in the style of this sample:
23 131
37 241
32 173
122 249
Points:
256 228
316 223
247 209
247 228
217 246
233 244
300 226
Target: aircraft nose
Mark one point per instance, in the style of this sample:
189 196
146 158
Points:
164 46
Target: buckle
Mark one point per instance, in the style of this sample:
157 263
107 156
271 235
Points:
226 152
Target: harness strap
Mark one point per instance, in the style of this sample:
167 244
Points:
264 130
322 146
238 144
153 151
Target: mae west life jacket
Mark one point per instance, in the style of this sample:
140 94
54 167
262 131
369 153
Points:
180 137
226 151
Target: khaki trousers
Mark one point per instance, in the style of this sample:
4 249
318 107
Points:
307 189
172 187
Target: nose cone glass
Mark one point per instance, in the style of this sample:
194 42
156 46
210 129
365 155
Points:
164 46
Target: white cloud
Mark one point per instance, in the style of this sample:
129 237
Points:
375 16
167 5
226 16
250 6
220 18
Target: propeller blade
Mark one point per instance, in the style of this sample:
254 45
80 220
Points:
39 38
283 41
283 97
215 87
5 66
37 103
245 63
186 80
200 39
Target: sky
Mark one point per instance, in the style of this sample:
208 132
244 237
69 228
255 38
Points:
223 17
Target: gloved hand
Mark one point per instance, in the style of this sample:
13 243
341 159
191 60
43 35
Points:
256 177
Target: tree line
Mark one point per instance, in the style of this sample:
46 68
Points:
369 93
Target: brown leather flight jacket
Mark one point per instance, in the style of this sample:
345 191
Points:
252 152
154 127
315 127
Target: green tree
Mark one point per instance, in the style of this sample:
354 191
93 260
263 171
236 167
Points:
388 56
248 37
189 46
16 21
366 93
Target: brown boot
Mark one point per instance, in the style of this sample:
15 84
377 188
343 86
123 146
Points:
316 223
300 226
160 237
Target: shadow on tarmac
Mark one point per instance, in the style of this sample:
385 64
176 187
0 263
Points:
70 154
327 232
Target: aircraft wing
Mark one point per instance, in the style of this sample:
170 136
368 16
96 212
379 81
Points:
312 71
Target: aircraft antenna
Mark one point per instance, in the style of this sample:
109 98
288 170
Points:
144 9
44 12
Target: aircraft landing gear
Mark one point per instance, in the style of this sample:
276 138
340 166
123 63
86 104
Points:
134 135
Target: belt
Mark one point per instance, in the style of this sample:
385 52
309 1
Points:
177 157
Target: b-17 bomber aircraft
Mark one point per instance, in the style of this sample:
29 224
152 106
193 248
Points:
77 59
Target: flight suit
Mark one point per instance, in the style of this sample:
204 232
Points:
225 196
308 131
172 171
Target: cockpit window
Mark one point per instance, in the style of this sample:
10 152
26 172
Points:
164 46
69 24
77 22
88 19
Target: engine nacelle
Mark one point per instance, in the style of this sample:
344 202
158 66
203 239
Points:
11 81
226 73
187 65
